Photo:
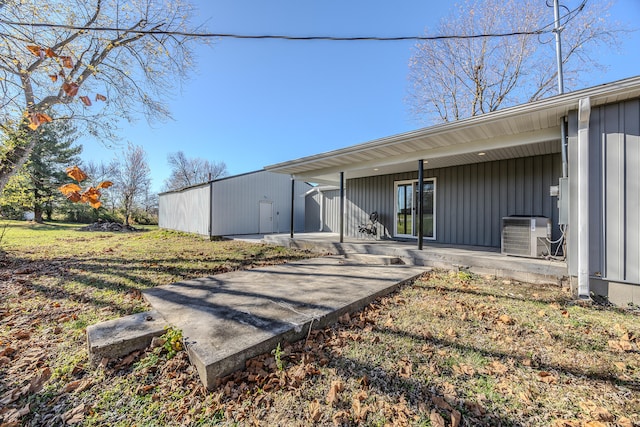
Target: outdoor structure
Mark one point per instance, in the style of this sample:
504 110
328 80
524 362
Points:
573 159
256 202
322 209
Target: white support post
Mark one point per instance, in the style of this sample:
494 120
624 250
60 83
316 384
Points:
584 112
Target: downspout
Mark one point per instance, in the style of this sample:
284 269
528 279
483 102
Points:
321 197
420 202
584 113
341 207
210 210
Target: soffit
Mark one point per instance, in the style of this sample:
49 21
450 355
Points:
508 133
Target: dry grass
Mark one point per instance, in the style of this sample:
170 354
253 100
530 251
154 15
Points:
450 349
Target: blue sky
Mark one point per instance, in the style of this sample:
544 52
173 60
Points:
252 103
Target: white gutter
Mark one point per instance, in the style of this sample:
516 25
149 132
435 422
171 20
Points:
584 113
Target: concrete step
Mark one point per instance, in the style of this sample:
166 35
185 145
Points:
371 259
119 337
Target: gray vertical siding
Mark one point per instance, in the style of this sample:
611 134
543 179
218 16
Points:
186 210
236 203
329 201
470 199
614 191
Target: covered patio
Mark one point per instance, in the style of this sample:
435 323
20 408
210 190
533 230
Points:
474 259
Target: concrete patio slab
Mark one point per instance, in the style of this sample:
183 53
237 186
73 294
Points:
229 318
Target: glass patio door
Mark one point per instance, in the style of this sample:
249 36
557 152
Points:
406 211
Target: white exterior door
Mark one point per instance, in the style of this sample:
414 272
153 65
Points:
266 217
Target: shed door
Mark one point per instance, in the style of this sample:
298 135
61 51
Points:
266 217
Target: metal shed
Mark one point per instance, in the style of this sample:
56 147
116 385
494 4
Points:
252 203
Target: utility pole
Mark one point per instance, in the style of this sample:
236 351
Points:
557 30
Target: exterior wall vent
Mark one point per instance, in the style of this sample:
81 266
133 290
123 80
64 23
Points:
526 236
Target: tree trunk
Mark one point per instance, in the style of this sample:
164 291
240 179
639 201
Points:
14 159
37 213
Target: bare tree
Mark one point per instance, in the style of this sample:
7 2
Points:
132 180
454 78
89 61
99 172
190 171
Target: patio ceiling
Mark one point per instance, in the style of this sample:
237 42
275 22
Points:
520 131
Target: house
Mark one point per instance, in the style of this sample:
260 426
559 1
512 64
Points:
573 159
252 203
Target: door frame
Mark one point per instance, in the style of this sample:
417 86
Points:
414 207
260 203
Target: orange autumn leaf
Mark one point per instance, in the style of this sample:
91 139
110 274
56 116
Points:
69 188
105 184
85 100
36 50
36 119
71 89
74 197
50 53
53 77
95 204
74 172
91 195
44 118
67 62
100 97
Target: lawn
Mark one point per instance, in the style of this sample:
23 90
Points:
448 349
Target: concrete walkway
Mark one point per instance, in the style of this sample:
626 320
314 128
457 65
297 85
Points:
229 318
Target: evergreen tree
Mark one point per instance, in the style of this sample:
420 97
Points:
36 187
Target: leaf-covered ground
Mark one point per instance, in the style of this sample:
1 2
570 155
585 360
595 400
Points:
449 349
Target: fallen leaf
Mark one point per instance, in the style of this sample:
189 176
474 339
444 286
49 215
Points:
602 414
547 378
12 416
507 320
314 411
100 97
359 410
497 368
456 418
38 381
620 345
406 368
464 369
75 415
78 386
624 422
441 403
332 396
340 418
85 100
436 419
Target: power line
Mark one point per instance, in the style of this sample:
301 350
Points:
271 36
549 28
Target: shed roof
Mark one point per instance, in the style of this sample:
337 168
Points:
519 131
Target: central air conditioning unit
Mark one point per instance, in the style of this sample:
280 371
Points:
526 236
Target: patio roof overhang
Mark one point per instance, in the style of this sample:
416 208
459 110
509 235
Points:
520 131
